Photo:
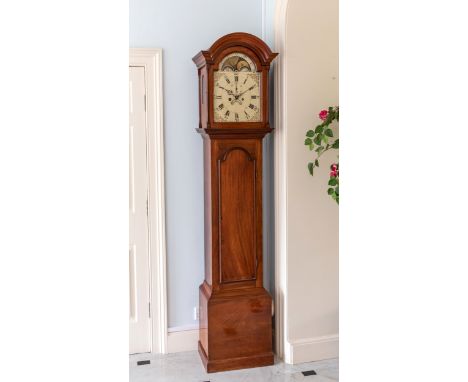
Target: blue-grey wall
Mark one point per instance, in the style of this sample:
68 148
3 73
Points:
182 28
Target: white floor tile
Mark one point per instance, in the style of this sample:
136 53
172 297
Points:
187 367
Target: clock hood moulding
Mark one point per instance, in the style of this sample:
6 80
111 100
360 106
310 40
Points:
247 40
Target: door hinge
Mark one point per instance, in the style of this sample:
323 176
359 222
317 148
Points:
149 309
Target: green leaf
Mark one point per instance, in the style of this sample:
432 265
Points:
310 133
319 129
332 182
311 146
319 149
311 168
329 133
307 141
318 139
337 190
330 191
325 138
317 163
336 144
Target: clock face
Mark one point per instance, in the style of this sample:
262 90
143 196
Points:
237 90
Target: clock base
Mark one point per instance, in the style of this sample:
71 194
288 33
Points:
235 328
214 366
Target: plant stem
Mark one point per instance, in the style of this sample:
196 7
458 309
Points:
321 152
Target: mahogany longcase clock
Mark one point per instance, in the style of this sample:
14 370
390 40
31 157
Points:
235 309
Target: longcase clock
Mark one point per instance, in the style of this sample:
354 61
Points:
235 309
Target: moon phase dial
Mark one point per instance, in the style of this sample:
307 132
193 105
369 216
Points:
237 62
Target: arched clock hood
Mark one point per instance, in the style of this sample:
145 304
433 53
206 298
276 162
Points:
247 40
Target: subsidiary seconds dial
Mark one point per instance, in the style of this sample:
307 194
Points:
237 96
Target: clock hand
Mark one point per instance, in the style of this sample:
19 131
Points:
228 91
245 91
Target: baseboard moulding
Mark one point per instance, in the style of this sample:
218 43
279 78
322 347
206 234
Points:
183 340
314 349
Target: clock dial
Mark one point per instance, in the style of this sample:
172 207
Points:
237 90
237 96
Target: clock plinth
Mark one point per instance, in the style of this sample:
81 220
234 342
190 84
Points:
236 332
235 309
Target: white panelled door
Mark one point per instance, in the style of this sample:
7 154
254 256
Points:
140 322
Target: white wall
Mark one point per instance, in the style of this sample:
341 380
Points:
311 84
182 28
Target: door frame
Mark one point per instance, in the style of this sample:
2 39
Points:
151 60
282 344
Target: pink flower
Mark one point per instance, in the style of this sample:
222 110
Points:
334 170
323 115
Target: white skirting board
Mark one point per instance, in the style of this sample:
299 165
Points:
303 350
314 349
185 340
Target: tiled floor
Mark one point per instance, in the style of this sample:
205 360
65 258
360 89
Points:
187 367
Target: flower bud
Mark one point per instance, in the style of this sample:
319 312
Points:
323 115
